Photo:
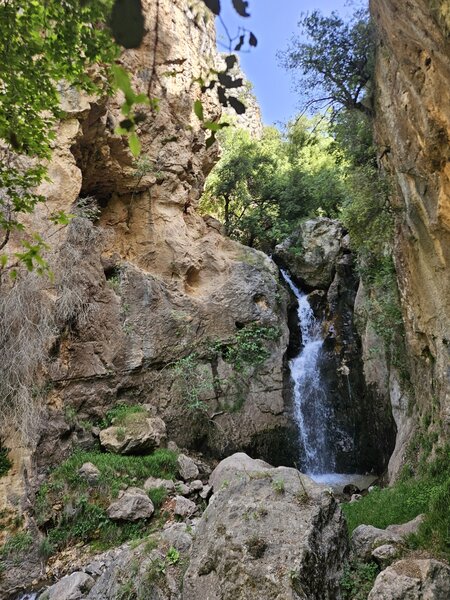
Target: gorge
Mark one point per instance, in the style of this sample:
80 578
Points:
160 387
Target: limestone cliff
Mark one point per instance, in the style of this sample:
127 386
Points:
141 280
413 131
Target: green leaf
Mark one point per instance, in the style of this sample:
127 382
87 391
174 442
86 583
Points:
210 141
135 144
198 109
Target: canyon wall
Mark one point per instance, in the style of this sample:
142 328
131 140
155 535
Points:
412 106
150 295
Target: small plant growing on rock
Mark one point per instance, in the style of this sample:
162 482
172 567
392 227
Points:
256 546
358 580
173 556
278 486
120 435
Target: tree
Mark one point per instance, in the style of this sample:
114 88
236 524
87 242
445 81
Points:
242 189
261 189
337 61
42 44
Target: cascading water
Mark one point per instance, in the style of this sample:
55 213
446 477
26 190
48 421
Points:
311 403
313 410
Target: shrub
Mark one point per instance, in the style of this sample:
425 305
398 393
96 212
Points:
16 544
157 496
245 350
358 580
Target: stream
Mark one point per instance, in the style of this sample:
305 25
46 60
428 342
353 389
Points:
312 402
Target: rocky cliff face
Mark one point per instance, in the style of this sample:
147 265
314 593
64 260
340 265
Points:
150 296
413 132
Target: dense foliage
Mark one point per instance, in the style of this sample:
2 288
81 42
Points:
261 189
43 44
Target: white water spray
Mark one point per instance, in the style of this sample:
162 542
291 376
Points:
313 411
311 403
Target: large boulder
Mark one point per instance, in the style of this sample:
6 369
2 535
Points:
310 254
132 505
267 533
413 580
233 467
138 434
366 538
149 570
72 587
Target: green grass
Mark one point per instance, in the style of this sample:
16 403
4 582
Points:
116 471
428 492
84 515
119 414
16 544
5 463
157 496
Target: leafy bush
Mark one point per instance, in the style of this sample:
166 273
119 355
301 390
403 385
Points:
358 580
245 350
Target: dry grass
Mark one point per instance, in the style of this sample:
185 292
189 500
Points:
30 322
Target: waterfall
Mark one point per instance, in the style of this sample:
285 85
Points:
311 402
313 409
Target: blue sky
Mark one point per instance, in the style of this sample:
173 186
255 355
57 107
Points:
274 22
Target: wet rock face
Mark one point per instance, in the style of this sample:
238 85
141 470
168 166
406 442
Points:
267 533
413 132
362 430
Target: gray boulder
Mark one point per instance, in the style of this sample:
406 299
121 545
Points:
187 468
195 486
146 573
269 534
413 580
235 467
89 472
184 507
366 538
181 488
132 505
384 555
153 482
72 587
139 433
311 252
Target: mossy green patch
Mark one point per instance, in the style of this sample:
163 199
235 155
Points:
81 512
428 492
